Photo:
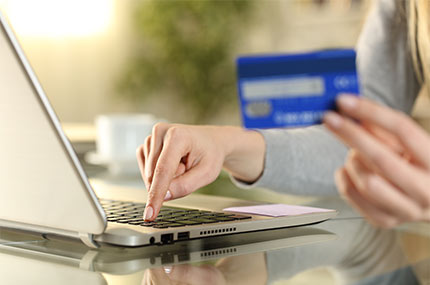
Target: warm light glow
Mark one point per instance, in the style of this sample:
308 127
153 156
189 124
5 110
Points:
58 18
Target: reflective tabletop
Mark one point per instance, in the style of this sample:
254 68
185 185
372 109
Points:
343 250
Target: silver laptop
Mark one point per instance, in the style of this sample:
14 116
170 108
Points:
44 189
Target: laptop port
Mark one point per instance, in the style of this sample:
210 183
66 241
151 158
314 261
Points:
166 238
183 235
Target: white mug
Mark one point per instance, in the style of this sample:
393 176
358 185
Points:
118 136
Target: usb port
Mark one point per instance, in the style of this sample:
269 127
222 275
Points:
183 235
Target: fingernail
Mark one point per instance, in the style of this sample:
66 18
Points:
148 213
168 196
167 269
347 101
333 120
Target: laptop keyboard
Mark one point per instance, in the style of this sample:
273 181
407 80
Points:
169 217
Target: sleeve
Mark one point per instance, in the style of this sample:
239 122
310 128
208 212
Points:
303 161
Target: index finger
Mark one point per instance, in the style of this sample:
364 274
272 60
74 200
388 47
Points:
165 170
411 136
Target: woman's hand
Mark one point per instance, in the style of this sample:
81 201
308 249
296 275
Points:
184 274
176 160
386 176
249 269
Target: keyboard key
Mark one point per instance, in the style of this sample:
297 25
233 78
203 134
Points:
204 221
136 223
174 225
189 223
224 219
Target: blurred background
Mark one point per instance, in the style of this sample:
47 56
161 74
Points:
170 58
173 59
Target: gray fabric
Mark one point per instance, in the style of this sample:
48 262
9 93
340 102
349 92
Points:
303 161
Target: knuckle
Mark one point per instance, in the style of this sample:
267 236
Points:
161 170
139 151
382 161
158 127
173 133
146 145
147 140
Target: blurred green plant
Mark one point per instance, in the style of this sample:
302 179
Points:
186 48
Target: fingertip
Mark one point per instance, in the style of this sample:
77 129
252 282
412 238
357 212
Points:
347 101
333 120
148 213
139 151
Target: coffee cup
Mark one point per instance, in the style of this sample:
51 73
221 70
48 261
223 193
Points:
118 137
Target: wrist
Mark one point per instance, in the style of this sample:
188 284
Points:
244 152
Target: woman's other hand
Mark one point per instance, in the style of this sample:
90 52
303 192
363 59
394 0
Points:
176 160
386 176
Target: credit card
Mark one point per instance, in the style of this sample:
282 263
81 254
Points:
293 90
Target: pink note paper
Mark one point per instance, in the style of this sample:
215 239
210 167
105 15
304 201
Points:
277 210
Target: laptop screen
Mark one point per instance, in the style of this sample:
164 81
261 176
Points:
41 182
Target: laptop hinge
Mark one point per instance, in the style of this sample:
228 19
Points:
88 240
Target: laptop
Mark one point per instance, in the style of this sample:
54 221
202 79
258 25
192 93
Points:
44 189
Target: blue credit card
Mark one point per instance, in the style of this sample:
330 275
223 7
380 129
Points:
293 90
